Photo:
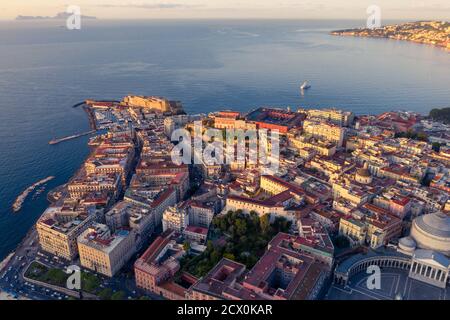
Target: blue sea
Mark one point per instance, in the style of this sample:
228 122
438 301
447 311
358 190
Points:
208 65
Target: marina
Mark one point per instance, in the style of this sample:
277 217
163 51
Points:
21 198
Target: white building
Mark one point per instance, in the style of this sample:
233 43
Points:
175 218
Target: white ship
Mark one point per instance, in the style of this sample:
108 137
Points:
305 85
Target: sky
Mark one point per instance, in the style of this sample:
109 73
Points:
239 9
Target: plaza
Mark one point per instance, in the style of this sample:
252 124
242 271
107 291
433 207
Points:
395 284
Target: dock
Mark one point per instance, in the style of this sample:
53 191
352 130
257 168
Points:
56 141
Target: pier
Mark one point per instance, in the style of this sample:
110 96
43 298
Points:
21 198
56 141
78 104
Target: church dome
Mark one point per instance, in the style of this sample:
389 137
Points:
364 171
363 175
432 231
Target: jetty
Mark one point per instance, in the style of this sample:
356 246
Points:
74 136
17 205
78 104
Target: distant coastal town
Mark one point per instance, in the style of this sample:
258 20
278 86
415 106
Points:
351 191
436 33
58 16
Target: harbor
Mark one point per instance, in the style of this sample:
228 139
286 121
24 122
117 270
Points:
21 198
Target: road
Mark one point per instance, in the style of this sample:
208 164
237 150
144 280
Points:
13 283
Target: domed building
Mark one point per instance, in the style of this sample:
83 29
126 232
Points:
432 231
407 245
363 175
429 248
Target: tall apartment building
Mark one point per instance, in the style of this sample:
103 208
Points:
104 252
200 214
324 148
134 216
370 224
110 182
156 268
175 218
58 229
110 159
178 121
338 117
325 130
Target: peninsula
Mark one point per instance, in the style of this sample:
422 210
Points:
58 16
436 33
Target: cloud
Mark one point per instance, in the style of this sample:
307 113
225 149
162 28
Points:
150 6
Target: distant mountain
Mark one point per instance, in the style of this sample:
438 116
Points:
59 16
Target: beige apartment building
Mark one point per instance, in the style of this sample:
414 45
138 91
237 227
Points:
58 234
175 218
324 130
336 116
104 252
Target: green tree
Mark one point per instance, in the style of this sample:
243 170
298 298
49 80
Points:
105 294
56 276
264 222
89 282
119 295
422 136
240 227
436 146
229 256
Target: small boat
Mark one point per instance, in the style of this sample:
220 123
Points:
305 85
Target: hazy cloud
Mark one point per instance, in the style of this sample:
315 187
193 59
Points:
150 6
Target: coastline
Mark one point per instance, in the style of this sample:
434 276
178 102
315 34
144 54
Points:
343 34
5 261
433 33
